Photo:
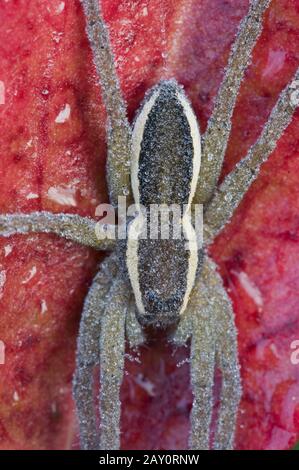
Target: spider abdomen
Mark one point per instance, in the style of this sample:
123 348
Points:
162 250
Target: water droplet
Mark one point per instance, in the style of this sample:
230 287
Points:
228 197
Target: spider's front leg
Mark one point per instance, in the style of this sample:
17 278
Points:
230 193
119 131
218 131
88 355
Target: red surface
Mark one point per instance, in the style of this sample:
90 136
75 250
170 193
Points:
46 64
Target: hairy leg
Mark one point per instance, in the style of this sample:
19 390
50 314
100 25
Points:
198 322
219 126
112 351
88 355
72 227
226 357
202 372
119 132
134 331
229 195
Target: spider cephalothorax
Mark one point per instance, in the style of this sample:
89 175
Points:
160 282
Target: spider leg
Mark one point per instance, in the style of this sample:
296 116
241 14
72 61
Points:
230 193
72 227
112 351
119 131
202 373
184 329
209 321
198 322
134 331
226 357
219 126
88 353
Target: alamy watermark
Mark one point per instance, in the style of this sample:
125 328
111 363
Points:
158 221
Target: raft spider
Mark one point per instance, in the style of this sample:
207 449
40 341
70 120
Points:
127 294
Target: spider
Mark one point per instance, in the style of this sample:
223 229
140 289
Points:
159 284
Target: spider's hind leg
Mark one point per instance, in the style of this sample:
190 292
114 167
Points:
198 323
202 376
209 321
88 353
226 357
112 352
